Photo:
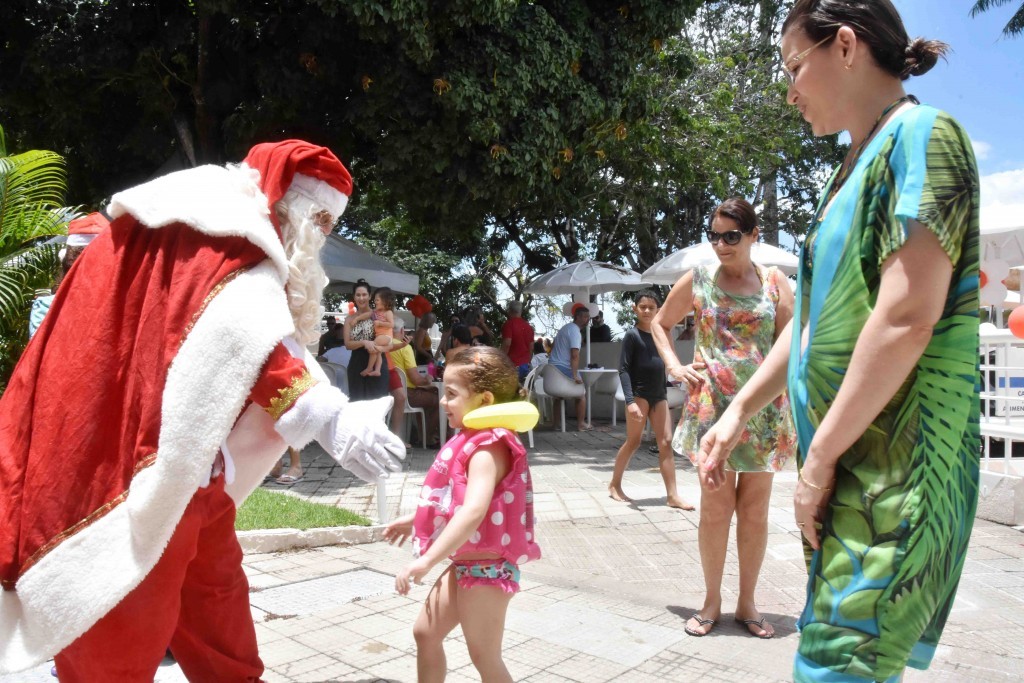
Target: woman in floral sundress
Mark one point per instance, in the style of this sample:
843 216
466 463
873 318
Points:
739 308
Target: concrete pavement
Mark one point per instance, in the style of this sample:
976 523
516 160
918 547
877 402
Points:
609 598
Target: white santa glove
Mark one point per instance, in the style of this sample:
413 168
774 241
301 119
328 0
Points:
358 438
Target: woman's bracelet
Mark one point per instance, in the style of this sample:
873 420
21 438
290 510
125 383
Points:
823 489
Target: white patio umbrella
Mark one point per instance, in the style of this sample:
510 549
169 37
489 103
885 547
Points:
584 278
671 268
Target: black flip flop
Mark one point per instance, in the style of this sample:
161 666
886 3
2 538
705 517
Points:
758 623
702 621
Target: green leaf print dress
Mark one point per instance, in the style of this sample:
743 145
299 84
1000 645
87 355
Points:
896 528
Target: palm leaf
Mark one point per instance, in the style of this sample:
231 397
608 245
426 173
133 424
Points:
1016 24
32 186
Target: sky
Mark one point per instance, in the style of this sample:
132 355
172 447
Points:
982 86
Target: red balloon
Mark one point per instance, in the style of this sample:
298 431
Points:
1016 322
984 278
419 305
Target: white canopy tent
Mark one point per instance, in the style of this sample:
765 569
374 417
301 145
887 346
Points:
346 262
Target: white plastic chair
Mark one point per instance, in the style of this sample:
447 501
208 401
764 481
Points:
558 386
408 423
337 374
534 385
607 385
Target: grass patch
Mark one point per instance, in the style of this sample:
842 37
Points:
271 510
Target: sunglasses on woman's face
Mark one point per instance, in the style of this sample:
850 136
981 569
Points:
731 237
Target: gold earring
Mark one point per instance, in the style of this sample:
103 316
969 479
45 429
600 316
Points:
849 66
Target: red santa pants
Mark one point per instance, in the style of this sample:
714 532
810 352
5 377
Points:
196 599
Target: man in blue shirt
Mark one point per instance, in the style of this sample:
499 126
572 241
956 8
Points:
565 356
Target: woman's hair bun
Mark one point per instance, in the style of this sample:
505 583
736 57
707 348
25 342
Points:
921 55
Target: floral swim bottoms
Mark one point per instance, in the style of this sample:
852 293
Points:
503 574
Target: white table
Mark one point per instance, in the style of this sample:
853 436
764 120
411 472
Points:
590 377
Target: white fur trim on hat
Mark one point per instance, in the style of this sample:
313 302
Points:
214 200
321 193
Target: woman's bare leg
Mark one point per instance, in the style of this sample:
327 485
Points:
716 508
753 492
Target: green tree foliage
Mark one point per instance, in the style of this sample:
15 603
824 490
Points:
1014 27
32 186
716 125
463 109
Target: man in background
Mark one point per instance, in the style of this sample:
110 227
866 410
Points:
517 339
599 331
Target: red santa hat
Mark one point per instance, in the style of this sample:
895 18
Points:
83 229
309 169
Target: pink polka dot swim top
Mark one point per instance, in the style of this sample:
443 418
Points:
507 529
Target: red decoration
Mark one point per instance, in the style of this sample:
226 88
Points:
351 307
984 278
1016 322
419 306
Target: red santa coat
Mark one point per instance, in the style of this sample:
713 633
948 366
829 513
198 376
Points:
122 401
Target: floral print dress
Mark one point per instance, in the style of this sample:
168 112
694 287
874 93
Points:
734 334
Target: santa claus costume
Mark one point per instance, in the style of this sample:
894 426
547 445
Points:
167 379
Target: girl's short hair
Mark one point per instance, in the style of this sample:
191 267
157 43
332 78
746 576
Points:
488 369
386 296
647 294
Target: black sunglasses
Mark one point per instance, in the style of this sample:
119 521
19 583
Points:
731 237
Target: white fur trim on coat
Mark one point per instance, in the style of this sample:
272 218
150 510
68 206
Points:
215 200
84 577
321 194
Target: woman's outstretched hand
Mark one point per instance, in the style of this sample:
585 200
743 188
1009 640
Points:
715 448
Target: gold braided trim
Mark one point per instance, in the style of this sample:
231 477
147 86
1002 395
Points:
79 526
209 297
287 396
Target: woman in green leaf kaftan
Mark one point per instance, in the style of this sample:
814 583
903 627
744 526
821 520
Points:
883 366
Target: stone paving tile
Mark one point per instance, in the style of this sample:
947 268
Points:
607 568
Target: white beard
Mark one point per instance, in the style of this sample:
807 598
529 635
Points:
306 276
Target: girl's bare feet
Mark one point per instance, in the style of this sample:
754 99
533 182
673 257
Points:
615 492
364 373
375 373
679 503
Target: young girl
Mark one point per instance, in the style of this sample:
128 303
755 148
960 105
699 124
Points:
642 373
476 507
383 326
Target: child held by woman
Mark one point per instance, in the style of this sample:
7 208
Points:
476 507
383 326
